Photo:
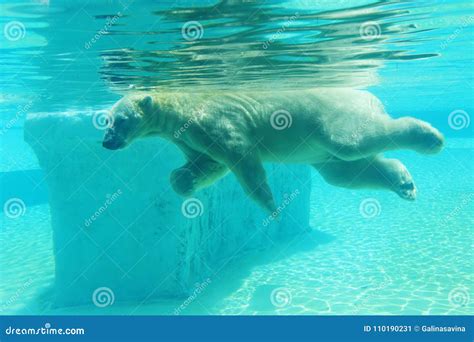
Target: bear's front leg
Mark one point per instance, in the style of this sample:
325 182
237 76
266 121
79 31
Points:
253 179
183 180
196 174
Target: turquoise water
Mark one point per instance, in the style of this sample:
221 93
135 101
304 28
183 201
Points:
368 252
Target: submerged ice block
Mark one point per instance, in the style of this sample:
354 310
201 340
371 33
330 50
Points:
117 224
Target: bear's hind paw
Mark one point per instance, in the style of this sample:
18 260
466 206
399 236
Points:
407 191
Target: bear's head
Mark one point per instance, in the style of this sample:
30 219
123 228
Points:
127 121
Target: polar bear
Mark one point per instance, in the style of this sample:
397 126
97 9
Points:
340 132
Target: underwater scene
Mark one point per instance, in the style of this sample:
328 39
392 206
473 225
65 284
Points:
236 157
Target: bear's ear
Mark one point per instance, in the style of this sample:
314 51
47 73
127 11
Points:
146 103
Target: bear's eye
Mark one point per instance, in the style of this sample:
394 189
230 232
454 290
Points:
120 121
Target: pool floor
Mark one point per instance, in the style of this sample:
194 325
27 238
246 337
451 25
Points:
396 258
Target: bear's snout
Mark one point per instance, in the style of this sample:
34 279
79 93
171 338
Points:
112 143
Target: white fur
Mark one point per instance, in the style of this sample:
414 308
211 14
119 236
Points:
341 132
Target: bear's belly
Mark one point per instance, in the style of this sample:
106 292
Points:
293 153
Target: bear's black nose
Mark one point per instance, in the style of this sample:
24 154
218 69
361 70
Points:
112 144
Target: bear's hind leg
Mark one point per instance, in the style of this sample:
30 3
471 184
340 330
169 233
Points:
386 135
376 172
417 135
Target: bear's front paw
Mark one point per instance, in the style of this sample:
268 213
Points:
183 181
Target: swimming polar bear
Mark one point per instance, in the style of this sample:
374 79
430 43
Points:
340 132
